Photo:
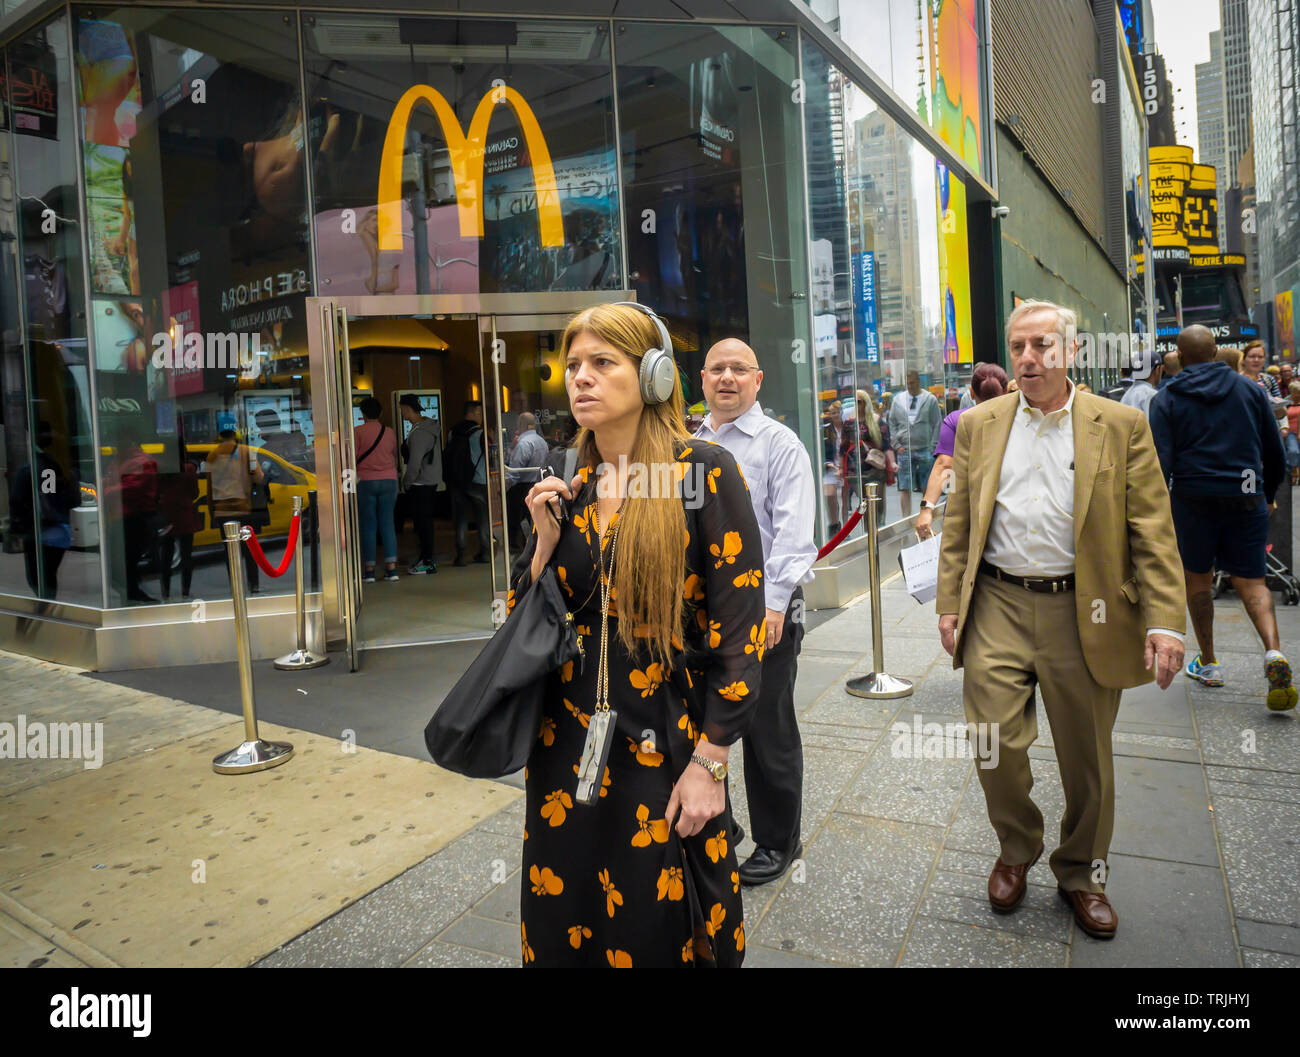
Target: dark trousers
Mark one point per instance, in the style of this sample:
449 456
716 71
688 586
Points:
49 560
166 550
422 499
463 500
517 512
773 750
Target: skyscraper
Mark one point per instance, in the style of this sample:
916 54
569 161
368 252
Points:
1235 27
1209 118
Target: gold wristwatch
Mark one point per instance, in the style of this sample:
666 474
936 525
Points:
718 770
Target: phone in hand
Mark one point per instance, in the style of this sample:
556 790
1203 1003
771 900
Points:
557 508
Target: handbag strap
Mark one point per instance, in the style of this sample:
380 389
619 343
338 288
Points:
372 447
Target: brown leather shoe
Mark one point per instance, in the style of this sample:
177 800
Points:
1092 912
1007 884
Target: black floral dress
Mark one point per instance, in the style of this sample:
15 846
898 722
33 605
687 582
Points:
609 884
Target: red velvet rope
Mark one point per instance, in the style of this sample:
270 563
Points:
840 536
255 549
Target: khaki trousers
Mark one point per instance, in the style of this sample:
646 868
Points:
1014 640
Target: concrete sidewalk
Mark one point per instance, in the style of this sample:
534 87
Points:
1205 860
97 866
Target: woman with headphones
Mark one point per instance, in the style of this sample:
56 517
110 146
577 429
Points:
627 853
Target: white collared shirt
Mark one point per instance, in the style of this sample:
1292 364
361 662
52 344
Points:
1031 532
781 489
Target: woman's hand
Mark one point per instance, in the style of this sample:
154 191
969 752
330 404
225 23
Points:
552 491
696 794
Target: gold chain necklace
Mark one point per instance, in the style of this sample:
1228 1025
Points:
600 725
606 591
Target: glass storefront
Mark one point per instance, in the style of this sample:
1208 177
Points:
181 188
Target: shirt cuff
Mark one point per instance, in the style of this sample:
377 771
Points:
777 596
1166 631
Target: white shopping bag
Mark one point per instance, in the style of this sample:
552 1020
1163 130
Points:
920 565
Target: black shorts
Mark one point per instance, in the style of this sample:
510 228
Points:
1225 533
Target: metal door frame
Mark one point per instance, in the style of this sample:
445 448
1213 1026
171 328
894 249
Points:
331 385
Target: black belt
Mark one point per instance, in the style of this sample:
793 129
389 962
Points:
1047 585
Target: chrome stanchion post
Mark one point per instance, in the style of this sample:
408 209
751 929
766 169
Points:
301 657
877 684
254 754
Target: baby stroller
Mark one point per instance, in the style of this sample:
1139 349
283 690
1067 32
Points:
1276 575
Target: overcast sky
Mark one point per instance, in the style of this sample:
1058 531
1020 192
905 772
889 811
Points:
1183 29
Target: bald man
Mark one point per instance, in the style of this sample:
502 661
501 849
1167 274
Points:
1221 454
529 450
779 474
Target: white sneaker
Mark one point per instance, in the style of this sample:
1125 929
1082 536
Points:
1205 674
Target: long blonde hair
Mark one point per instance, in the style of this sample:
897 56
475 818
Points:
651 558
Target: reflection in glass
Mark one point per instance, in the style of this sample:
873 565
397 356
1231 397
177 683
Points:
500 172
193 145
52 497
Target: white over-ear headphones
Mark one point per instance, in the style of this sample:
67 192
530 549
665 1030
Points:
658 370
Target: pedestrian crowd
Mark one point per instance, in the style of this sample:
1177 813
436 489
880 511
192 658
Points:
1061 504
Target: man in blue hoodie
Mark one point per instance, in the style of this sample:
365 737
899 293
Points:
1222 458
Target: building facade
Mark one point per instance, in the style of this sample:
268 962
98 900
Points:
1211 146
1275 118
227 226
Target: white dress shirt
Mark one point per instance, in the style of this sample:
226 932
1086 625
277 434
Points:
781 488
1031 532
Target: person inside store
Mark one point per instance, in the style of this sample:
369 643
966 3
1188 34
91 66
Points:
779 474
645 873
1221 452
292 446
914 420
465 471
237 492
987 380
528 450
376 448
422 459
1056 512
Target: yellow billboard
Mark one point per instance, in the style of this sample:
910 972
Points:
1171 172
468 157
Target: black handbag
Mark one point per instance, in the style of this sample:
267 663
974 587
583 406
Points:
487 726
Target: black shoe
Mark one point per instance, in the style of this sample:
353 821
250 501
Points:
737 834
766 865
461 560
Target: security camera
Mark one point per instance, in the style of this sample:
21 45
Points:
1002 212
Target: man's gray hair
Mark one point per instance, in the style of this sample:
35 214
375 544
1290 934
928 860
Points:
526 420
1066 318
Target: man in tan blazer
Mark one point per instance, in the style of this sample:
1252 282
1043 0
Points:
1058 569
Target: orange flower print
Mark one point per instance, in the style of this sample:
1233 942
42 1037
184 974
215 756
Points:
523 938
693 588
582 521
735 691
566 672
648 831
715 634
685 452
618 959
716 917
684 723
702 619
757 640
585 474
729 551
613 897
716 848
714 474
646 759
578 933
557 805
647 681
739 934
544 882
510 600
577 713
735 881
547 733
750 578
688 952
671 884
560 572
